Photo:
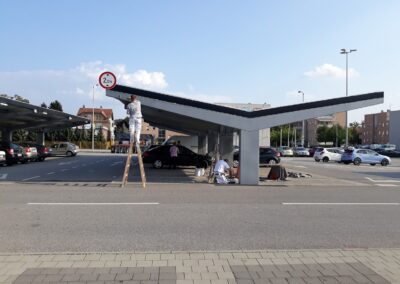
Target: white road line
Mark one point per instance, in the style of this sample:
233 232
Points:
51 173
3 176
386 185
64 170
377 180
116 163
90 203
303 167
350 203
31 178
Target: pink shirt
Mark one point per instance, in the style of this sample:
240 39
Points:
174 151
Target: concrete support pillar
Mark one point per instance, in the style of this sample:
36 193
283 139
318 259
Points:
249 157
6 135
40 138
212 140
226 146
203 144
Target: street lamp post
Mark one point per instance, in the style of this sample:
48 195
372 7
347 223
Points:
344 51
302 126
93 118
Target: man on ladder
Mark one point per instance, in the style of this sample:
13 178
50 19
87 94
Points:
134 111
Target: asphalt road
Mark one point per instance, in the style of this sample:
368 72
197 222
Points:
64 217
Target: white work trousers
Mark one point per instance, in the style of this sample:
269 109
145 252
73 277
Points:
135 126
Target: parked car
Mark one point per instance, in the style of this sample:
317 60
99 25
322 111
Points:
64 148
160 156
14 152
358 156
29 152
389 153
328 154
2 158
285 151
42 151
301 152
268 156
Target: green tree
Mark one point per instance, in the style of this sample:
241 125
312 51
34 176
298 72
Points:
354 133
43 105
56 105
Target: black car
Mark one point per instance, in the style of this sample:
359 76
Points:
268 156
160 156
14 152
389 153
42 151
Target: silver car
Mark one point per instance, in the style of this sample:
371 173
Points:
64 149
358 156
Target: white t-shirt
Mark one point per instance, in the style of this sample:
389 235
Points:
134 110
221 166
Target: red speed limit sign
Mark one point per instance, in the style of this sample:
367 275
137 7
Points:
107 80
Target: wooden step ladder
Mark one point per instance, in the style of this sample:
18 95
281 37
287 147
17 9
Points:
128 165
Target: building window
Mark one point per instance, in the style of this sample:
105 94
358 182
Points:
161 133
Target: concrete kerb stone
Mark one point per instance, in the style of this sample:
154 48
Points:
216 267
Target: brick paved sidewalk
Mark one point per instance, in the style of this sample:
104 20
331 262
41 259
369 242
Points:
228 267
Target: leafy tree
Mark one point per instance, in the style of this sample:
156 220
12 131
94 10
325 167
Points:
43 105
354 133
56 105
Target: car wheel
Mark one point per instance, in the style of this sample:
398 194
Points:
69 154
372 164
357 161
384 162
325 159
317 160
158 164
271 162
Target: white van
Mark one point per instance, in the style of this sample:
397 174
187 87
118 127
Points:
191 142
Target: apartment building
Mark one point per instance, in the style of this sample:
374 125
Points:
381 128
311 126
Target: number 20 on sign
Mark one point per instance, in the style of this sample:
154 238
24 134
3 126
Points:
107 80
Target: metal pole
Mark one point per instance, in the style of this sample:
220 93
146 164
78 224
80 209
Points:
302 128
288 137
347 92
93 121
280 144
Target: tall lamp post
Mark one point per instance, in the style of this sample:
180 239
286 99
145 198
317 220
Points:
302 126
93 118
346 52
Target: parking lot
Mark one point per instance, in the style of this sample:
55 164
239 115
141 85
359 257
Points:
106 169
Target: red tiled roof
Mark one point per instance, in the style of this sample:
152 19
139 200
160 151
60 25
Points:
106 112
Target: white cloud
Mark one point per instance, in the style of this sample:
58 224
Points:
329 70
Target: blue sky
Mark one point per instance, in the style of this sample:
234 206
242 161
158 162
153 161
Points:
232 51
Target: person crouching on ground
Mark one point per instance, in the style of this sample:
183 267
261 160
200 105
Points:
221 171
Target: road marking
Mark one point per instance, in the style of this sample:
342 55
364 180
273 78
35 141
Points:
90 203
3 176
64 170
116 163
386 185
51 173
303 167
376 180
74 167
31 178
317 203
